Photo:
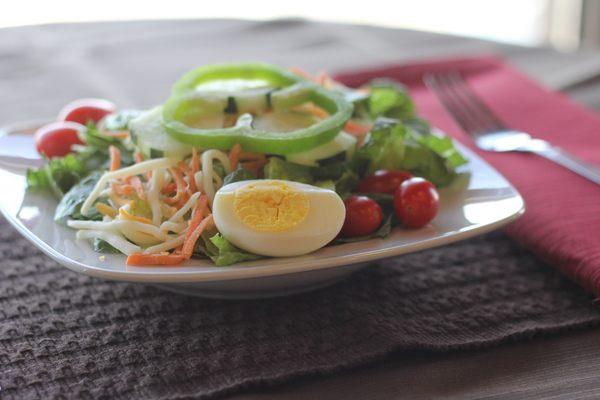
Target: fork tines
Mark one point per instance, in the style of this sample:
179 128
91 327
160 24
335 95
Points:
462 103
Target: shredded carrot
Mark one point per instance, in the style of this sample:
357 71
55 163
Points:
323 79
302 73
181 188
169 188
234 155
310 108
132 217
195 161
154 259
116 134
178 177
183 167
357 129
105 209
249 156
190 240
139 157
137 185
198 213
254 166
187 171
191 180
115 158
122 189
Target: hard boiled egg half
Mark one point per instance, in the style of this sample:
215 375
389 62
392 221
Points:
278 218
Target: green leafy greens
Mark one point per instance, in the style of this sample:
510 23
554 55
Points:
214 246
240 174
394 145
58 175
390 99
61 173
69 206
337 175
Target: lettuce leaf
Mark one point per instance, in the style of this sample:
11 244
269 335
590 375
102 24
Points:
220 250
442 145
394 145
384 149
337 175
390 99
59 174
278 168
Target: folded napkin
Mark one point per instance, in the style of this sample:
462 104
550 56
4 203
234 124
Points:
562 221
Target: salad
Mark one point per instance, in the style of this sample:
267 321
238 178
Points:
244 161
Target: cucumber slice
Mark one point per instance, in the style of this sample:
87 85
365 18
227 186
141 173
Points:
289 97
283 121
231 85
241 95
118 121
255 101
149 136
343 142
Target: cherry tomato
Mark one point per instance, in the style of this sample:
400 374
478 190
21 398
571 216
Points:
363 216
416 202
55 139
383 181
85 110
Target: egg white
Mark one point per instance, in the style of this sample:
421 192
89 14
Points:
322 224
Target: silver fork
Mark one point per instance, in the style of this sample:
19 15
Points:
491 134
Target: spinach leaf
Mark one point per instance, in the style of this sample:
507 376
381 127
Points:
389 221
346 183
240 174
70 205
101 246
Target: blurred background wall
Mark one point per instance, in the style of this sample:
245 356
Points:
564 24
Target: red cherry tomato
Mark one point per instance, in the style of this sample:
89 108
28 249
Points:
86 110
55 139
416 202
383 181
363 216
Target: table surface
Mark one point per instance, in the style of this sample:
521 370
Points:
31 58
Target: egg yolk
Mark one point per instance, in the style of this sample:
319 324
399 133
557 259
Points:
270 206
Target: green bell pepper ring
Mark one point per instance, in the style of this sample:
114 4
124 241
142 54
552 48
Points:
189 103
273 75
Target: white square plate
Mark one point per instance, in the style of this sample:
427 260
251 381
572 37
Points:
479 201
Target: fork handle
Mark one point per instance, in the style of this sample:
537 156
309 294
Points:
571 162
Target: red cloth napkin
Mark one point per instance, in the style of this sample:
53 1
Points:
562 220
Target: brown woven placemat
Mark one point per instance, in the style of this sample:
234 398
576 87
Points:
65 335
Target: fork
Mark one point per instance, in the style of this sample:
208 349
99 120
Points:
490 133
